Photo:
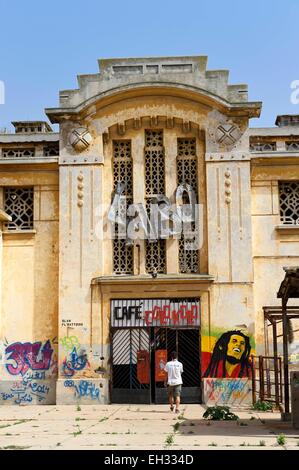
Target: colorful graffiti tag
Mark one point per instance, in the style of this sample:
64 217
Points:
69 342
230 356
167 314
219 391
75 363
84 389
25 356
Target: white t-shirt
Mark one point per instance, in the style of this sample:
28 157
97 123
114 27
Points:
174 370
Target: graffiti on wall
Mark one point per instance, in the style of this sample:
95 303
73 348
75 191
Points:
32 368
168 314
69 343
84 388
226 391
230 357
75 362
32 388
25 356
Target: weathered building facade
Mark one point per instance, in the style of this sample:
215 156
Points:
89 318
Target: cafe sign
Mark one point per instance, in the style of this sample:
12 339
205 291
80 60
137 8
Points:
155 312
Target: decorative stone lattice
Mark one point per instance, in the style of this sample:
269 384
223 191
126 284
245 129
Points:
123 260
80 139
289 202
263 147
18 203
18 153
155 252
187 173
292 146
154 163
51 150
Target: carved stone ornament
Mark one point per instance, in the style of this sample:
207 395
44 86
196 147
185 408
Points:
80 139
227 134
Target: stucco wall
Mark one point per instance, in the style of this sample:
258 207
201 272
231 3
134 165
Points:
29 312
273 246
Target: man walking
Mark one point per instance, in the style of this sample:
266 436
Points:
174 369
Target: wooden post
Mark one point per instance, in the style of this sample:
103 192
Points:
285 356
253 380
274 330
261 374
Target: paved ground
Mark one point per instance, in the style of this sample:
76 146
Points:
139 427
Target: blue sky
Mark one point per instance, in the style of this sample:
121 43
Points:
45 45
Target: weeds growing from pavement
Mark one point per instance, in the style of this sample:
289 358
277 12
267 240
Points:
176 426
76 433
281 440
169 440
262 406
219 413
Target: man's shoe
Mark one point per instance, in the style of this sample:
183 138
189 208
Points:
177 411
171 407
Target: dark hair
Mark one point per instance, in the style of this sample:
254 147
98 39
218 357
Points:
219 355
173 355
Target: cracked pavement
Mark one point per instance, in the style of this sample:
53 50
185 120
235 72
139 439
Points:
135 427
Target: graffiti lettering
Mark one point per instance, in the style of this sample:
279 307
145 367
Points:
69 383
75 363
84 389
69 342
28 377
224 391
166 315
28 356
22 394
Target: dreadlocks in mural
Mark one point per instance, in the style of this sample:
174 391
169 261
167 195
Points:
230 357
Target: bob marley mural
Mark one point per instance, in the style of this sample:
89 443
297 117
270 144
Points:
230 356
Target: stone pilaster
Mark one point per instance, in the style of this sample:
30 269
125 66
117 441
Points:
80 174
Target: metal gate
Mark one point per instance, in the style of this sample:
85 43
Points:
130 349
267 383
186 342
134 363
143 334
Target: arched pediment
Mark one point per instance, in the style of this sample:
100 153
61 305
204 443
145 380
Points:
124 79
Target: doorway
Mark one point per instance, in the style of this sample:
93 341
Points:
138 357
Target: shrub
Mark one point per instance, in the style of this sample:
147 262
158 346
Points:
219 413
281 439
262 406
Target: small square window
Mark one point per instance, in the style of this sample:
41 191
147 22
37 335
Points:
289 202
18 203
